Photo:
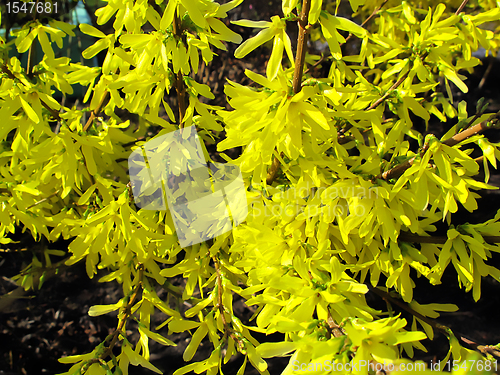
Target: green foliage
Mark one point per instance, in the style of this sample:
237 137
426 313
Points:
351 209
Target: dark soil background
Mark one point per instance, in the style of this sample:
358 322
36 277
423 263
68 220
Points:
42 326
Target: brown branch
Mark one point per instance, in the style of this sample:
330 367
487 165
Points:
127 312
374 13
399 169
228 331
128 144
11 75
343 140
323 56
486 74
272 173
479 113
385 96
461 7
333 327
485 349
179 79
53 112
29 59
7 71
301 47
467 133
96 111
31 53
42 200
380 100
445 330
389 92
387 297
7 299
181 97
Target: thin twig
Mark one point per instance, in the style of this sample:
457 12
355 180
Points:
12 75
43 200
486 74
399 169
476 116
334 328
28 60
445 330
127 312
7 299
467 133
461 7
96 111
228 331
374 13
179 79
389 92
7 71
387 297
379 101
485 349
31 53
272 173
53 112
323 55
301 47
385 96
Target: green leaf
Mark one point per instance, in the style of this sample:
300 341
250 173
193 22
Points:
181 325
224 31
168 15
275 349
193 345
91 30
416 107
255 359
46 45
135 359
104 309
29 111
157 337
274 63
453 77
348 25
315 11
193 8
250 44
26 42
255 24
76 358
95 48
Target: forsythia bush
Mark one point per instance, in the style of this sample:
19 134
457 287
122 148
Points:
344 193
